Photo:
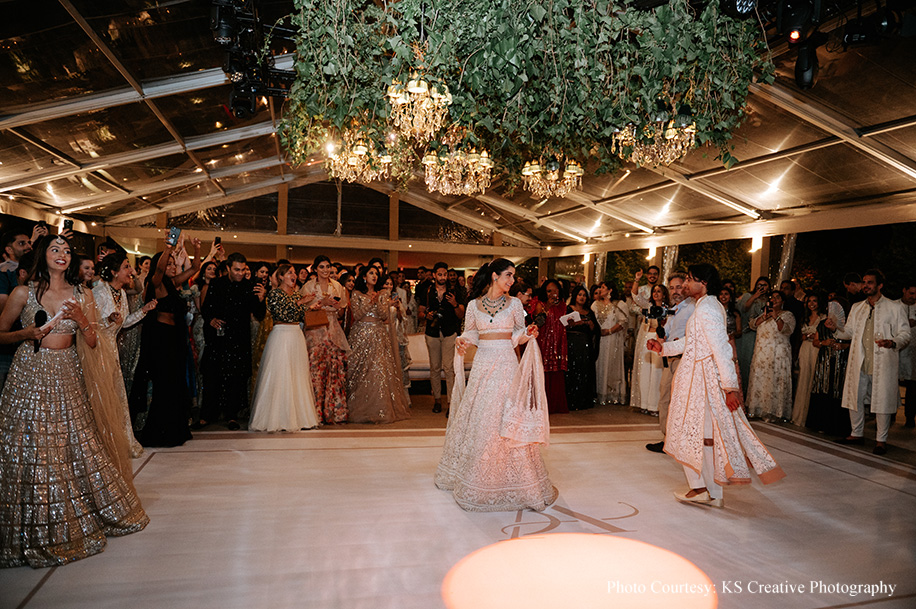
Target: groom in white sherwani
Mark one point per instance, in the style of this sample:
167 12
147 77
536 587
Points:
879 330
708 433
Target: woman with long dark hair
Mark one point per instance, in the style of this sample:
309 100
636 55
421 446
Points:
816 309
327 342
62 492
580 339
375 393
492 460
164 354
647 366
114 315
284 399
612 316
552 341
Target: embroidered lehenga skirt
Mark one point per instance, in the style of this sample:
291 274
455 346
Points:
60 493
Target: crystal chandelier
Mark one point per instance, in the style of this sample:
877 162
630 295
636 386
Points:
357 160
662 142
457 172
418 109
544 180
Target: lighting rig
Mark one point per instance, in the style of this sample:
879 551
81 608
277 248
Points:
237 27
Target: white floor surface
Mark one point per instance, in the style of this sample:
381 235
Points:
339 519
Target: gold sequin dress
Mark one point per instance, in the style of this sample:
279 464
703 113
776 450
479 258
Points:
375 391
60 493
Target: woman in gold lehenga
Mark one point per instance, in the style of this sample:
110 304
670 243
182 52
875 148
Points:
375 392
61 489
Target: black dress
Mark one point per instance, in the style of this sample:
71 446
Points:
160 398
581 341
825 410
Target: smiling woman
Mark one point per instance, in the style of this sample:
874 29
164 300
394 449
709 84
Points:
62 492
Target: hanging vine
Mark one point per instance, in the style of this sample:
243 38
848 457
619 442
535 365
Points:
527 77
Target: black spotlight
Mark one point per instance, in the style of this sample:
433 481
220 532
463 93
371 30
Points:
739 9
223 23
869 30
796 18
236 66
806 64
243 101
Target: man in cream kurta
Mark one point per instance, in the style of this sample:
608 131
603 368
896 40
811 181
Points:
879 329
708 432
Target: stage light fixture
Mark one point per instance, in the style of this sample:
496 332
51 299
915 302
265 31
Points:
739 9
223 23
863 31
806 65
243 100
796 18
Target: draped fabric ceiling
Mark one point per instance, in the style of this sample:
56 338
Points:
115 112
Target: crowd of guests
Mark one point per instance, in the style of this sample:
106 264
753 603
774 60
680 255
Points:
130 356
200 340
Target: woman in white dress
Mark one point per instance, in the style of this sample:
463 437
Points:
114 315
611 313
816 309
647 365
769 390
284 399
487 462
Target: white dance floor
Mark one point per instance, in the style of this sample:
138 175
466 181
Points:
350 519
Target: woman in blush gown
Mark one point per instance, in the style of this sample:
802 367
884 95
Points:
327 344
816 306
375 392
612 316
284 399
491 460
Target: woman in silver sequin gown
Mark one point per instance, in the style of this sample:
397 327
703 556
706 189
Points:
375 393
61 493
486 471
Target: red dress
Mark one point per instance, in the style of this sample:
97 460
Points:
552 341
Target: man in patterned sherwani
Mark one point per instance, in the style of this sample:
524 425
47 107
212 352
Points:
708 433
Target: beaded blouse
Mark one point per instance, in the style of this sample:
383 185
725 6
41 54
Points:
509 319
32 306
284 308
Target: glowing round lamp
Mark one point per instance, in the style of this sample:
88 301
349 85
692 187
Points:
576 570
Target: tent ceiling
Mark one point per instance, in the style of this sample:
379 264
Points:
116 111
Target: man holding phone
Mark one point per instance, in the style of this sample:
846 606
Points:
226 365
443 309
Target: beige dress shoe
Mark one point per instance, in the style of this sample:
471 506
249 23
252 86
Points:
700 499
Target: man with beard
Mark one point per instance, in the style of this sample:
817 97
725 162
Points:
879 330
443 310
226 366
675 329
